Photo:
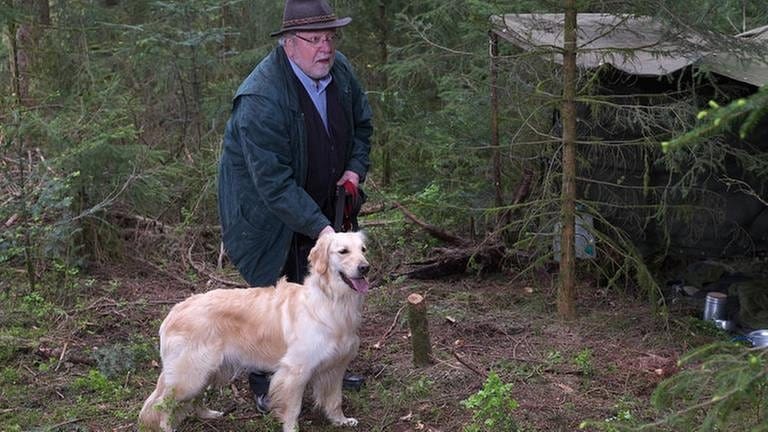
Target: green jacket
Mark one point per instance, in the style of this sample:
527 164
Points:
263 165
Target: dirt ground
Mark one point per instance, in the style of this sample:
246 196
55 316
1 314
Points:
605 363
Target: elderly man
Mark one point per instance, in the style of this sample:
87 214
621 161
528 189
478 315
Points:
300 126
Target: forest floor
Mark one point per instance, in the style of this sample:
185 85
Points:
89 365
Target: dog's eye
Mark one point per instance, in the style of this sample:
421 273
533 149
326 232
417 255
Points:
344 251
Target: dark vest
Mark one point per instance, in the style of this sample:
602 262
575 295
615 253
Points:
326 150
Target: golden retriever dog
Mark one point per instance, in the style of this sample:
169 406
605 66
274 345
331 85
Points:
304 334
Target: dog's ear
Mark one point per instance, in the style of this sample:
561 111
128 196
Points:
318 256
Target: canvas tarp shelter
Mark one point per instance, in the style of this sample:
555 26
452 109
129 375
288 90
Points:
644 50
635 45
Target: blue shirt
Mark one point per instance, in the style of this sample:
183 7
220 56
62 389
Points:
316 90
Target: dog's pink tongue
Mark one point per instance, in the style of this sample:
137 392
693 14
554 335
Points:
361 285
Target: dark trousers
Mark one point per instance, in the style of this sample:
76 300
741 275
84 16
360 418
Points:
297 264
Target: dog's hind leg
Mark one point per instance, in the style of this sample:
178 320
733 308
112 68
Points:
197 374
162 409
326 388
151 417
205 413
224 375
184 379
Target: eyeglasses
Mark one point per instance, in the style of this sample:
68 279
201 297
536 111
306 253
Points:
316 40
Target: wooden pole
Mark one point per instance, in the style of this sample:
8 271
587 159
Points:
417 319
566 293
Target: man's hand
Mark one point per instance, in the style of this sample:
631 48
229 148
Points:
350 176
327 230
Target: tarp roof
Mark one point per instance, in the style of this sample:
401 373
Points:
636 45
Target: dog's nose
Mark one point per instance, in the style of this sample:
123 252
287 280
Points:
362 269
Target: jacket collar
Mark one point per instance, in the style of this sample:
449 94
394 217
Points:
276 67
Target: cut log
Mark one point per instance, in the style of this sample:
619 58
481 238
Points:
417 319
448 261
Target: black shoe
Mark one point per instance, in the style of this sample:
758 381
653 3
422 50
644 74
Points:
352 381
259 383
262 404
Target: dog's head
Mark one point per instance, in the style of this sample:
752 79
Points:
341 255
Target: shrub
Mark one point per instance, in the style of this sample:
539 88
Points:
492 407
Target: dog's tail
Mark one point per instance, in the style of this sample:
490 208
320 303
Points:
151 414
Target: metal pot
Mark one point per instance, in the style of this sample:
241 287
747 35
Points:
716 306
727 325
759 338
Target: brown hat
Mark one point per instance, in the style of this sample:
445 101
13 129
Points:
309 15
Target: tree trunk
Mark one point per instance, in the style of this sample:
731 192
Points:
494 42
386 176
226 21
13 64
417 319
43 12
566 294
23 47
26 37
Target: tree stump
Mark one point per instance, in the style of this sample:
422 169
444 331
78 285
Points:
417 319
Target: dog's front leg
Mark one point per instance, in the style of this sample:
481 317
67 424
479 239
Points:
326 387
285 394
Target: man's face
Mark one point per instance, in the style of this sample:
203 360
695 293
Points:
312 51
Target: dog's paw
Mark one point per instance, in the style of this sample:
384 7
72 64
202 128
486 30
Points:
209 414
346 421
